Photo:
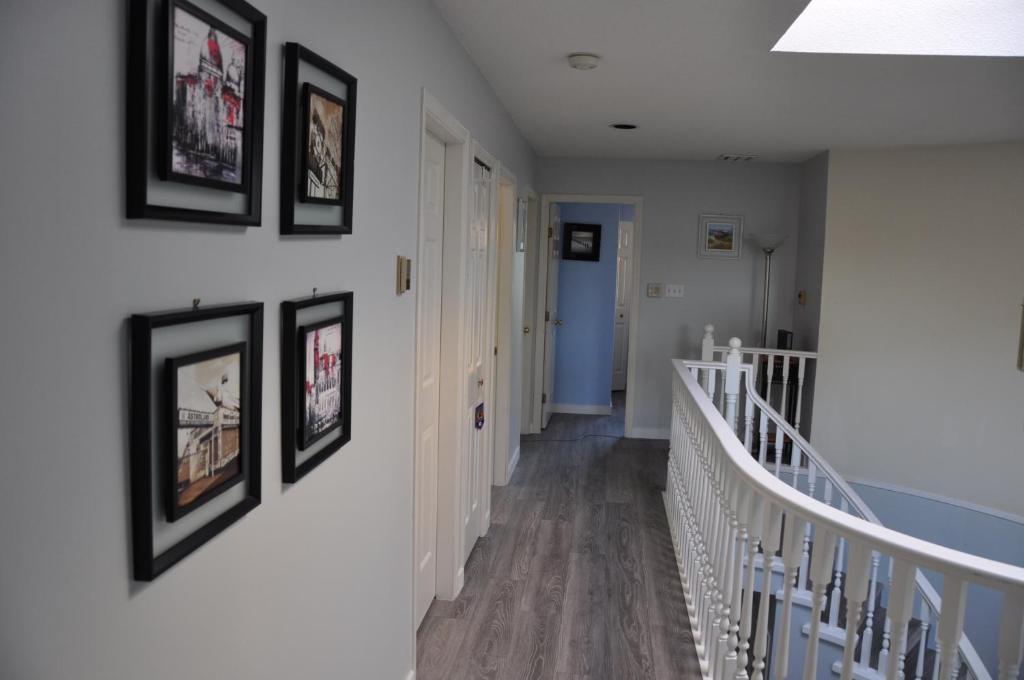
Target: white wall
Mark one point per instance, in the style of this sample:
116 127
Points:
726 293
811 251
923 281
316 582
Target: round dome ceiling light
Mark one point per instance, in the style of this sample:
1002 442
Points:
623 126
583 61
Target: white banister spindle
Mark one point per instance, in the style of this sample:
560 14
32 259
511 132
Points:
780 440
792 551
748 423
771 540
837 585
922 646
769 377
762 454
901 606
755 524
801 371
869 617
883 655
732 381
951 624
712 383
821 575
785 386
857 573
742 513
707 344
1011 635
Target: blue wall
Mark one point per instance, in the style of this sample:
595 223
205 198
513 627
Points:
586 305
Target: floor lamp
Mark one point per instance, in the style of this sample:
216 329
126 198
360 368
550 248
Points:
768 243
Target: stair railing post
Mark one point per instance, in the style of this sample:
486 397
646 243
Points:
732 381
707 345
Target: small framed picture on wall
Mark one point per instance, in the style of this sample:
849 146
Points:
581 242
720 236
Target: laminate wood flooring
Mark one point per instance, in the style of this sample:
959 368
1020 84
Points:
576 579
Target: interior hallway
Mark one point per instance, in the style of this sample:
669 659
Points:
576 579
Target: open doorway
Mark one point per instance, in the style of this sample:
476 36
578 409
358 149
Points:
586 295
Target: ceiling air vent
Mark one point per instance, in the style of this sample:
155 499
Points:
737 157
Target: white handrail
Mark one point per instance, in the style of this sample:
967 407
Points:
721 475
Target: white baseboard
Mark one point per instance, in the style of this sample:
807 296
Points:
650 433
411 675
512 463
582 409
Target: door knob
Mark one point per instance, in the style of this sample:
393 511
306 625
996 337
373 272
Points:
526 330
558 322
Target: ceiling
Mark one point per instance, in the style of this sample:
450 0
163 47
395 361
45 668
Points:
700 80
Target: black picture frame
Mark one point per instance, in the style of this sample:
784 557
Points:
589 231
293 383
173 365
144 454
149 75
308 91
294 136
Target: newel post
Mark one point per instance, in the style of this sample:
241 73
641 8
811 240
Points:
707 345
732 381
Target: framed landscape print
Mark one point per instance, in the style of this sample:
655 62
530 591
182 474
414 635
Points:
195 418
194 132
720 236
581 242
207 138
207 401
323 141
317 144
316 380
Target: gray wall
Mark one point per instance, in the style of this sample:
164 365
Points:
316 582
917 384
811 251
726 293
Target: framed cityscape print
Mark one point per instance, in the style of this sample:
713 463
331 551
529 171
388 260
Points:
317 144
720 236
581 242
196 79
195 418
316 380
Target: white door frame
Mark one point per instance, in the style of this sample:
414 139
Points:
529 306
542 273
450 464
505 344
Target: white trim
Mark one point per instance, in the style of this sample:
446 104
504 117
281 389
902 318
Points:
513 463
650 433
634 305
504 313
411 675
582 409
939 498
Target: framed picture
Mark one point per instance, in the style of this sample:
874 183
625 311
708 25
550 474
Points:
521 219
207 399
316 380
318 145
195 110
195 419
720 236
581 242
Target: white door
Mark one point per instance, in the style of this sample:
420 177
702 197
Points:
623 294
428 364
551 320
477 341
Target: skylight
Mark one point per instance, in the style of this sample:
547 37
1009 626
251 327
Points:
983 28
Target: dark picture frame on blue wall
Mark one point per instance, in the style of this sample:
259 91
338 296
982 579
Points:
318 350
229 70
581 242
310 174
157 425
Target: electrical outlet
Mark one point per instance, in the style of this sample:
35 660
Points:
654 290
674 290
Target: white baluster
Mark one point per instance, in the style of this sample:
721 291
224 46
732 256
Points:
707 344
742 513
769 376
791 554
805 557
785 387
755 524
762 455
821 573
951 624
732 381
771 540
748 421
922 648
728 569
857 572
712 385
800 393
883 655
1011 635
780 441
837 586
869 617
901 606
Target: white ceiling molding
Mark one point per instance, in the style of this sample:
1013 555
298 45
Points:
981 28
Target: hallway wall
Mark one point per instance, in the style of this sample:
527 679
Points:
316 582
726 293
586 303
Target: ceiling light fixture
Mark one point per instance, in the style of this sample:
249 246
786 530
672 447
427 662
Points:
583 61
623 126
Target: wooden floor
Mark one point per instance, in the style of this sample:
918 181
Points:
576 579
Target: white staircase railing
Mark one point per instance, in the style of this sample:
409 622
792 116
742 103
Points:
743 497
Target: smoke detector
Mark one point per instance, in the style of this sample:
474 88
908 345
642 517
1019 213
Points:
583 61
737 157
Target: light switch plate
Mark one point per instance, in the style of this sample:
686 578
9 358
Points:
654 290
674 290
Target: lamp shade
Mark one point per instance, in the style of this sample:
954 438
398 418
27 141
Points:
767 241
